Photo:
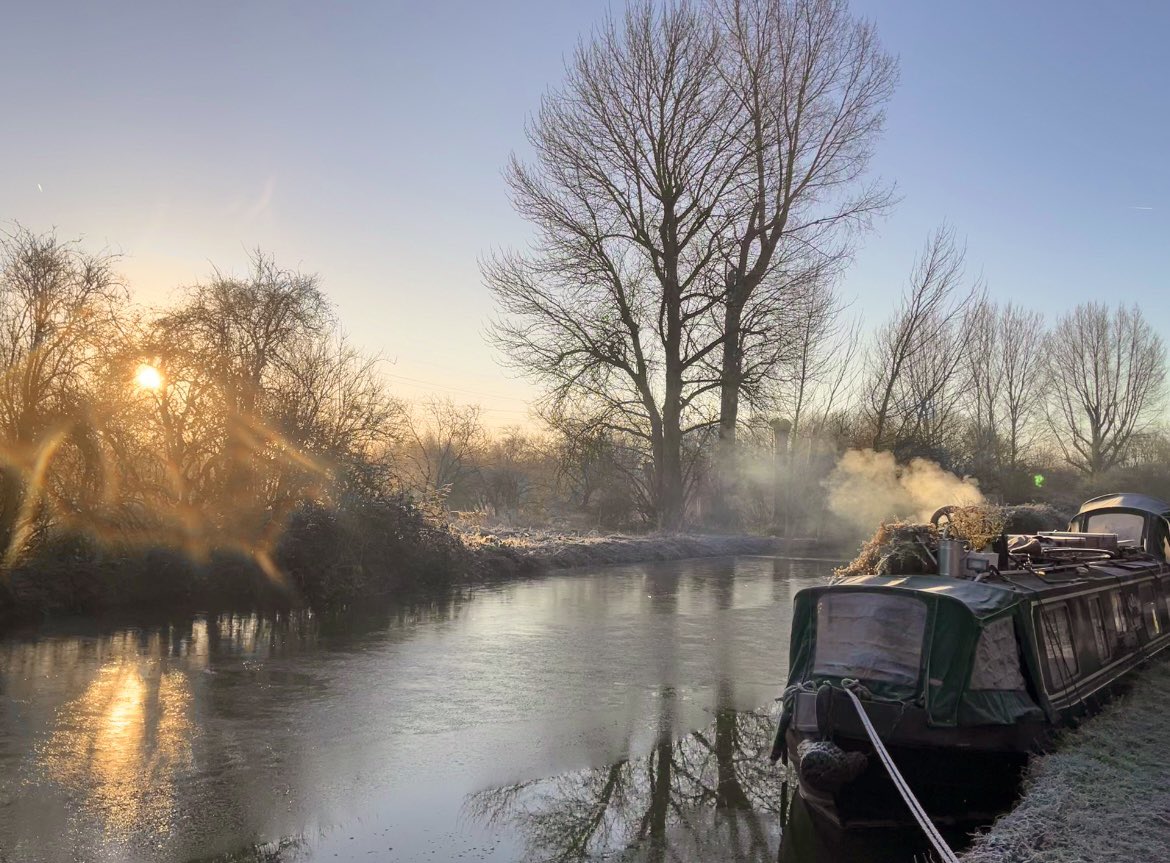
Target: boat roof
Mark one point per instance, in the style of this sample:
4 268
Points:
1126 500
983 598
987 598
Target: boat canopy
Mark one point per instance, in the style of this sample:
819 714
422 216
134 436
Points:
1126 500
948 644
1138 520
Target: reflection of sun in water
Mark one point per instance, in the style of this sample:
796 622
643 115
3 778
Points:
147 377
124 744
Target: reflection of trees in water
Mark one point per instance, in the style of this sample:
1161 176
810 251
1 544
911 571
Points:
711 792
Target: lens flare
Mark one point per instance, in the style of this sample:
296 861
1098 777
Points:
147 377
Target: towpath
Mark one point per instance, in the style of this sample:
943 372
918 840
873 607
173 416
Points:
1102 796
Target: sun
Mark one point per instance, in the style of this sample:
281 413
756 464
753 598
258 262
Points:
147 377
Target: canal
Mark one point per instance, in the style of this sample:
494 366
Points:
621 713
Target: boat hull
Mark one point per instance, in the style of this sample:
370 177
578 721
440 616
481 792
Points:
955 786
960 775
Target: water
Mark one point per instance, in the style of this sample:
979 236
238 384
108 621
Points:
621 713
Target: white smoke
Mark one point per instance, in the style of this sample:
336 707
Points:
868 487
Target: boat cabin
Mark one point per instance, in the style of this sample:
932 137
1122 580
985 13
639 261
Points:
1137 520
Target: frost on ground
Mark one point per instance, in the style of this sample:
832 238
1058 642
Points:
512 551
1104 795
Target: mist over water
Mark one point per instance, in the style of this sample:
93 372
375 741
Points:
868 487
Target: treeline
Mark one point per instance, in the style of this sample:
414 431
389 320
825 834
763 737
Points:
236 444
1035 409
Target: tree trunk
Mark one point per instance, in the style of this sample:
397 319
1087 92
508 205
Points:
669 469
723 488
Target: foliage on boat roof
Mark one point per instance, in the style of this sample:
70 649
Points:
1126 500
983 599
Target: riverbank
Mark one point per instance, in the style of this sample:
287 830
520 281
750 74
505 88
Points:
516 553
326 558
1104 795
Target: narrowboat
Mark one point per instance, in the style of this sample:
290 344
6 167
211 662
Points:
964 672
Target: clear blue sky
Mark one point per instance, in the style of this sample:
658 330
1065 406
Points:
365 142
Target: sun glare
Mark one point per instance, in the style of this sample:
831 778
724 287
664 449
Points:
147 377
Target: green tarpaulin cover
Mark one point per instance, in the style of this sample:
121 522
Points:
957 614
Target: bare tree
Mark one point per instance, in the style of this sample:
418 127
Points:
812 82
246 330
1021 373
931 399
693 169
60 313
915 354
445 441
1005 371
634 157
224 352
1107 372
330 399
826 347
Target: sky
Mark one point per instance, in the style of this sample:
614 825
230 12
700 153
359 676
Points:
365 142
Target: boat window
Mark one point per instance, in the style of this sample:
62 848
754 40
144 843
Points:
1058 646
1161 541
870 637
1150 610
1097 621
1129 526
997 659
1120 621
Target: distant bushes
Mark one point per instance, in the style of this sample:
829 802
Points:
1034 517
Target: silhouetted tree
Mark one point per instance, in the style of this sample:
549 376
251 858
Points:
1107 372
59 317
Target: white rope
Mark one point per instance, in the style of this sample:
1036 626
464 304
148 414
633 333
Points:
940 846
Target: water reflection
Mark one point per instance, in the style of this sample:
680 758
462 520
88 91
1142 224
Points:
124 746
711 795
188 738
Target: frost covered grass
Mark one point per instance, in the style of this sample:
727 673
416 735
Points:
510 552
1104 795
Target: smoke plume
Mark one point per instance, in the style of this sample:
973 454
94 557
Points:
868 487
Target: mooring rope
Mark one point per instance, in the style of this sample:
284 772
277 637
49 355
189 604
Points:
940 846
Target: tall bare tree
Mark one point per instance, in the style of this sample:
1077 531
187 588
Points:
916 355
1021 369
1107 374
812 82
692 169
1005 371
634 156
826 346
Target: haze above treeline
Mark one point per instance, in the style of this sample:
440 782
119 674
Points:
698 185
